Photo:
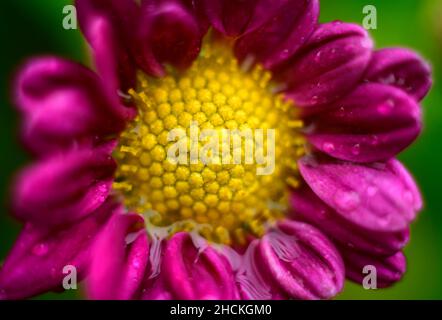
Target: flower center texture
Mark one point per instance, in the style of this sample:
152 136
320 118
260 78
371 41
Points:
213 149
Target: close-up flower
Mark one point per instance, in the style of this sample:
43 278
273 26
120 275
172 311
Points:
103 194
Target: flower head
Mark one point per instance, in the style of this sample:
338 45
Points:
222 150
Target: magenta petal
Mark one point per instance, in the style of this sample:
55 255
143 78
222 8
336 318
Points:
230 17
64 187
373 123
329 66
108 25
301 261
381 197
168 33
401 68
197 8
308 207
120 258
253 281
193 272
156 290
63 103
35 263
281 34
389 270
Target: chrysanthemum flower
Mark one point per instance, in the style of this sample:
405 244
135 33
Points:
103 196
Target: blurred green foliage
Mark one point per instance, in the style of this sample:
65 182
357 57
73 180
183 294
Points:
34 27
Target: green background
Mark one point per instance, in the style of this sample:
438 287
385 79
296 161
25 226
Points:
32 27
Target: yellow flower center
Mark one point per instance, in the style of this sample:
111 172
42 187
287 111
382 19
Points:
225 199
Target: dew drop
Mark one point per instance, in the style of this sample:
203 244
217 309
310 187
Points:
40 249
387 107
374 140
347 200
356 149
372 191
328 147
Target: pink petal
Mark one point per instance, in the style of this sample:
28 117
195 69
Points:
192 272
109 25
120 258
381 197
254 282
63 188
168 33
301 261
373 123
286 27
63 103
389 270
36 262
308 207
401 68
329 66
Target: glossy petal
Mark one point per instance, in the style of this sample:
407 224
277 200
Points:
230 17
309 208
63 188
280 35
155 289
168 33
253 281
381 197
196 271
36 262
388 270
401 68
301 261
109 25
373 123
63 103
197 9
329 66
120 258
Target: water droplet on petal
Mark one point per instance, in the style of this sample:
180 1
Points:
386 107
374 140
356 149
372 191
347 200
40 249
328 147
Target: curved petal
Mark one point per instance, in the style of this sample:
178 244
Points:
230 17
168 33
308 207
253 283
155 289
108 25
63 103
381 197
197 9
64 187
196 271
301 261
330 64
401 68
36 262
373 123
281 34
387 270
120 258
